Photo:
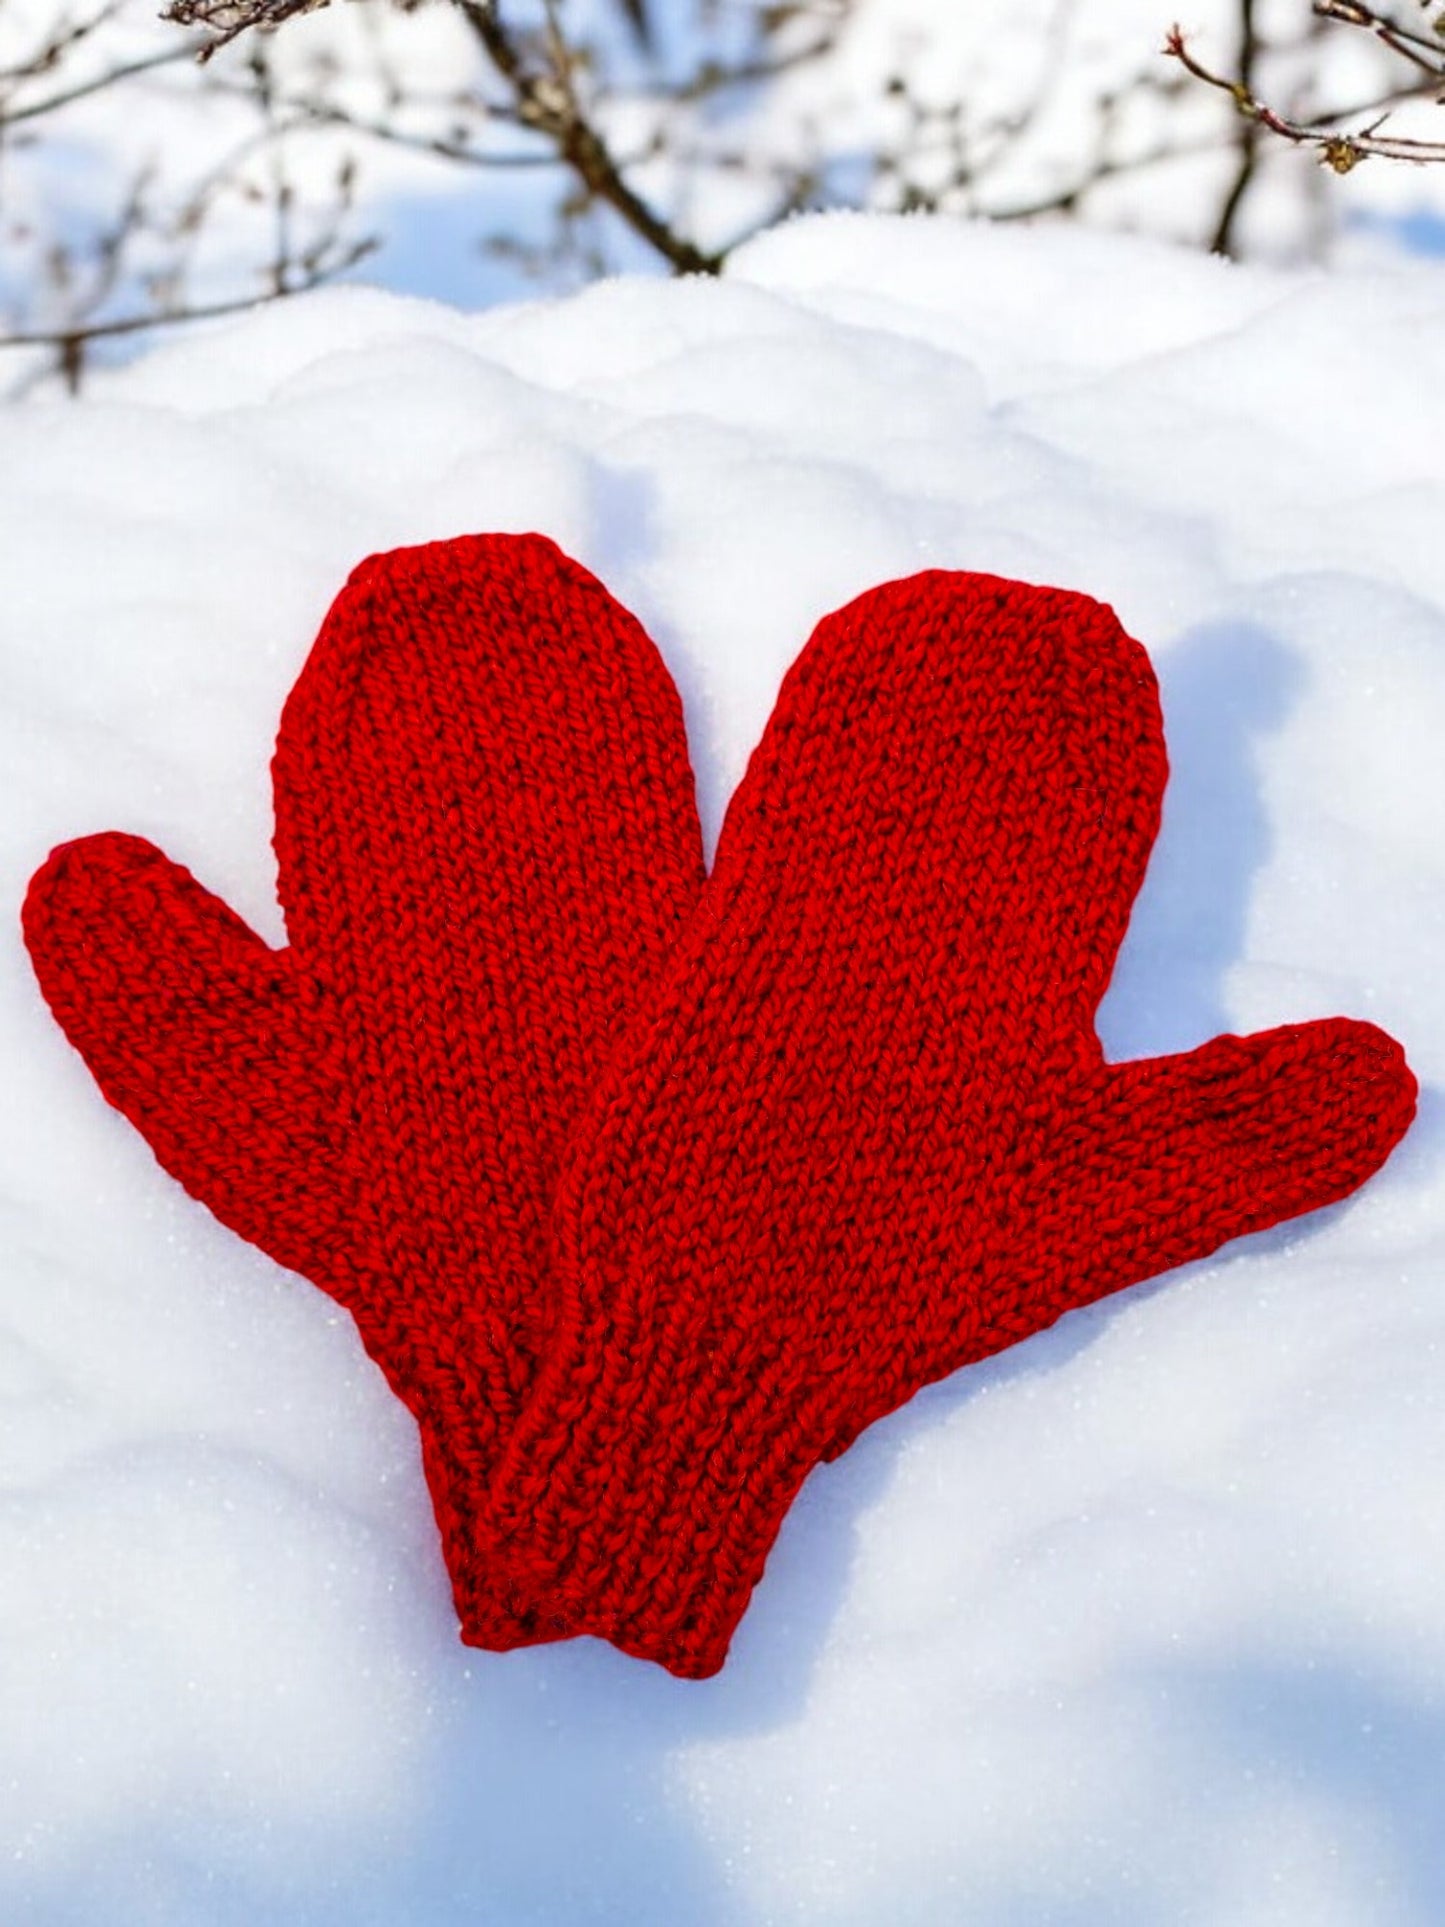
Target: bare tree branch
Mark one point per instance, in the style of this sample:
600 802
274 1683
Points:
70 343
228 19
1338 146
1222 240
547 101
439 146
138 258
565 94
35 110
1065 200
544 97
1424 52
57 44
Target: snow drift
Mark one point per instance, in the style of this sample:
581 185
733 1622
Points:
1139 1621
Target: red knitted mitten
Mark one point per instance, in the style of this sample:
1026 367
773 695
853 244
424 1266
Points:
486 845
865 1132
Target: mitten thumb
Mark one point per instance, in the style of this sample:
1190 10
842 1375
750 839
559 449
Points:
1177 1155
192 1027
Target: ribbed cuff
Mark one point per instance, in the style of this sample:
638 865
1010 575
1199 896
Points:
461 1443
644 1515
487 1609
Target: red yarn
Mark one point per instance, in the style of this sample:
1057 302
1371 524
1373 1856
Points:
864 1132
486 844
858 1131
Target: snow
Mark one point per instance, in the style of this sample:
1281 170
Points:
1141 1621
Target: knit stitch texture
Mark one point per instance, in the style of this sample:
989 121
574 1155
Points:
648 1193
865 1133
486 845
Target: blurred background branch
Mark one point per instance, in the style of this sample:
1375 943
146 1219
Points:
1342 136
154 171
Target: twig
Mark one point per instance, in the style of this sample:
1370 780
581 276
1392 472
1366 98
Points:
1423 52
70 343
49 56
1336 148
548 103
12 116
1222 240
545 101
228 19
326 114
1065 200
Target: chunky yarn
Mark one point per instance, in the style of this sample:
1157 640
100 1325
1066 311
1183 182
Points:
486 846
864 1132
648 1194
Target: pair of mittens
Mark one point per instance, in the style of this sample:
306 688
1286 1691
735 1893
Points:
648 1191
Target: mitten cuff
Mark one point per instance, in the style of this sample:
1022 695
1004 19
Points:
457 1482
646 1522
459 1449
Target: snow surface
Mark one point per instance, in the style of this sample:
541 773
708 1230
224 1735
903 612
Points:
1143 1621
